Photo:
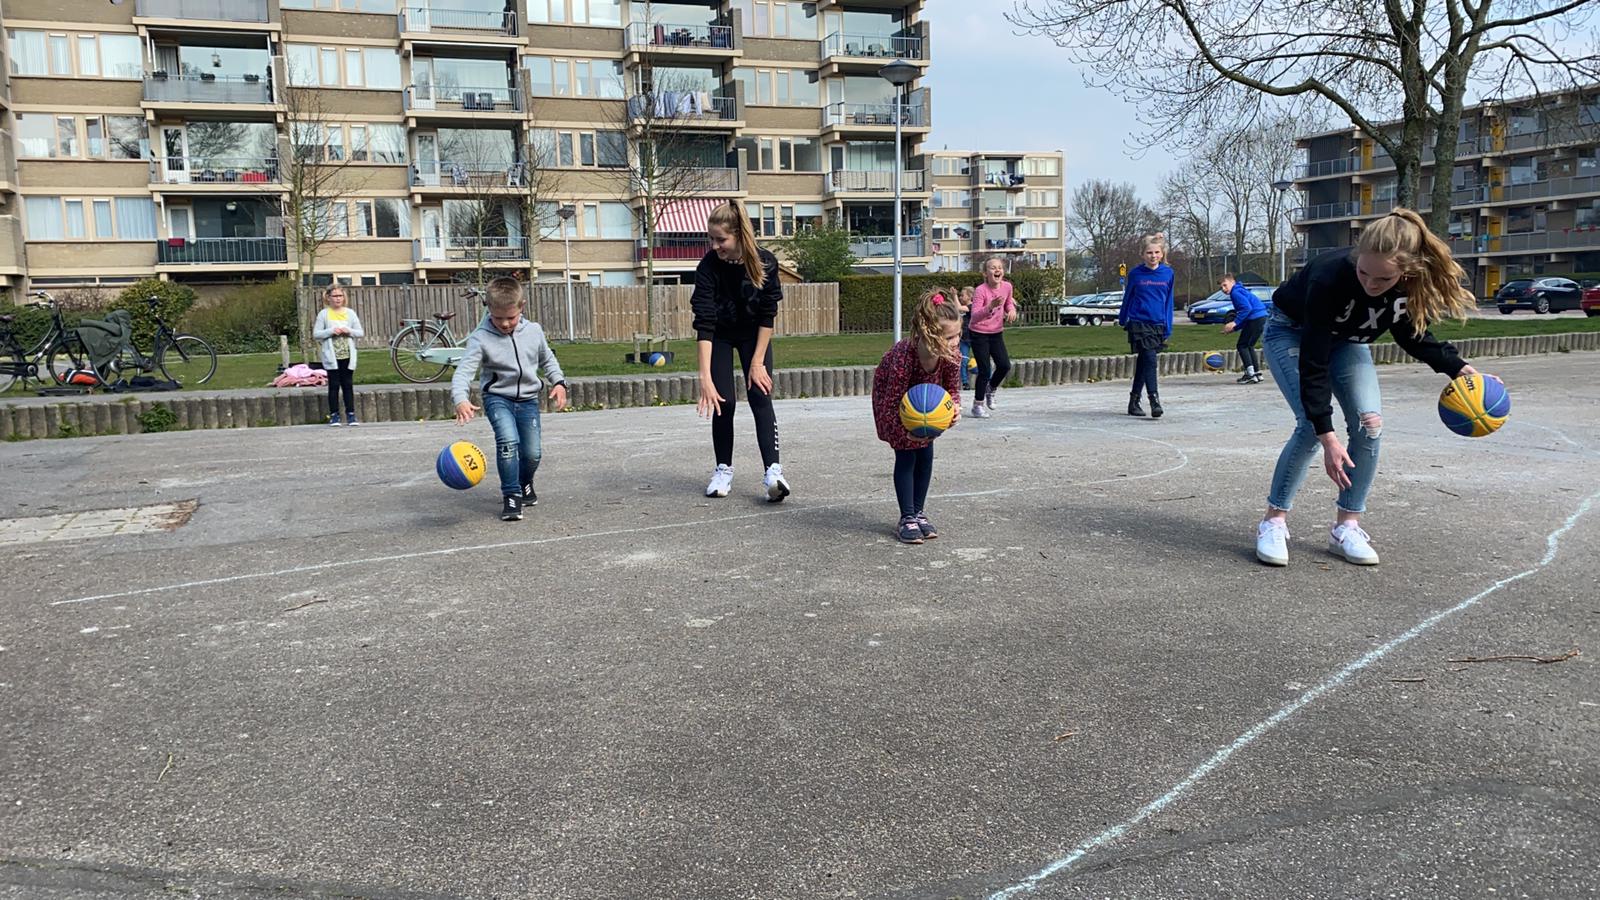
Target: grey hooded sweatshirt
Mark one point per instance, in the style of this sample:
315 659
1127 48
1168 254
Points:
510 362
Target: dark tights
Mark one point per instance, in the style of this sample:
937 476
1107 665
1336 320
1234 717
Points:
993 362
722 349
342 380
913 471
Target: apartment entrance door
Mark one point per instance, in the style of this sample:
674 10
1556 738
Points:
428 159
432 234
175 154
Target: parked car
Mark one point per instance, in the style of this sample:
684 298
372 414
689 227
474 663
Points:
1218 309
1091 309
1590 304
1542 295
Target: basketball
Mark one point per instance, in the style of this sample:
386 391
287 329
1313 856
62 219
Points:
1215 362
1474 405
461 465
926 411
658 359
972 362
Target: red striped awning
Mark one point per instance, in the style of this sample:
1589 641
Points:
685 216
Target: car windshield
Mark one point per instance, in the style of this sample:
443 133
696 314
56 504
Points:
1517 285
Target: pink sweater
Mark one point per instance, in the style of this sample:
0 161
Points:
989 307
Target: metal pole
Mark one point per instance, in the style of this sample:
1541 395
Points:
899 112
566 275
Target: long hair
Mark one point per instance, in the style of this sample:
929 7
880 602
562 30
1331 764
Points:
1429 275
927 324
731 217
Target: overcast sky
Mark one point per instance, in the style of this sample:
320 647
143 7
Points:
993 89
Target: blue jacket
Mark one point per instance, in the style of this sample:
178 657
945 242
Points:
1246 305
1148 297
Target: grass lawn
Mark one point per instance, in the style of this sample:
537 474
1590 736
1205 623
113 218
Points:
579 360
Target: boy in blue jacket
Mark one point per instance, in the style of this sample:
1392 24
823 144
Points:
510 350
1147 317
1249 319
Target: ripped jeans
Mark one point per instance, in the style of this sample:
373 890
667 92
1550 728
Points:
1355 386
517 446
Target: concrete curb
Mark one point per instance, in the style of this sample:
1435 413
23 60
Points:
41 417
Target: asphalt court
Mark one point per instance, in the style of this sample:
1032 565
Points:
339 678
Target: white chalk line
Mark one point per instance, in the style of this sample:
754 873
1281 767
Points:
502 545
1332 683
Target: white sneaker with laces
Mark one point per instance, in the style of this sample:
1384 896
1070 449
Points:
979 411
777 487
721 481
1272 542
1349 541
989 400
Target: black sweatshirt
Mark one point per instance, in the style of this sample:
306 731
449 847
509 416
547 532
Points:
1326 299
726 303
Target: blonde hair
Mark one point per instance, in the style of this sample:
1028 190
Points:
731 217
1156 239
995 259
927 323
967 293
504 293
1429 275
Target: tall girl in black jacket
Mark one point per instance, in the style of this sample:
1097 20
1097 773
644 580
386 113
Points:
735 303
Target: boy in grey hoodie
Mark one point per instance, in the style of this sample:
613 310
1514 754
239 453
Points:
510 350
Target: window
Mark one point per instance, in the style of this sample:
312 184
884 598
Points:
368 67
1044 198
364 224
358 143
102 218
778 18
127 137
302 65
44 218
48 137
335 143
88 56
781 154
606 13
76 226
121 56
586 149
65 218
352 69
67 135
136 219
94 131
1041 165
27 53
779 87
366 6
392 218
96 55
329 74
562 77
591 219
616 221
386 143
60 55
612 147
36 136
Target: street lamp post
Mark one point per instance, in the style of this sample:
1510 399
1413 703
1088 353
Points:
566 212
1282 187
899 74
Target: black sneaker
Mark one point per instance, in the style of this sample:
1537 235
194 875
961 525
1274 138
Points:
1247 378
512 510
529 498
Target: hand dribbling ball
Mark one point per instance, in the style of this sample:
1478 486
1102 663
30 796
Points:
461 465
926 411
1215 361
1474 405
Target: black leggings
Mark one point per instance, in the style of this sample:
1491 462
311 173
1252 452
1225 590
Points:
913 471
341 380
1249 333
760 404
990 351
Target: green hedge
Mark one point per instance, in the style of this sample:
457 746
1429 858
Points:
249 318
866 302
174 301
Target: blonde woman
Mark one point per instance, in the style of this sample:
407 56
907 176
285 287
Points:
1147 317
1398 279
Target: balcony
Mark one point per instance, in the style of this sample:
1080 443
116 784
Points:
163 87
469 251
877 48
687 39
203 172
1579 185
997 213
221 251
1347 209
1303 255
855 181
1585 237
681 108
677 249
467 176
708 179
209 10
457 23
873 116
883 247
454 99
1324 168
1005 244
1575 133
999 179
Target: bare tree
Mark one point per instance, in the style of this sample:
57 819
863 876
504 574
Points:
1187 62
537 193
1107 220
484 214
1189 204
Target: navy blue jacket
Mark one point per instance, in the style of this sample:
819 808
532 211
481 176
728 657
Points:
1148 297
1246 305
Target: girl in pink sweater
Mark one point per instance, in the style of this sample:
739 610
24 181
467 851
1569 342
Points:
992 308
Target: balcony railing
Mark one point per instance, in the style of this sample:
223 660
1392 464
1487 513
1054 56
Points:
846 114
999 179
452 174
883 247
453 98
1323 168
709 178
1581 238
677 107
856 180
671 248
873 46
215 10
687 37
469 250
1005 243
1303 255
999 212
1343 210
165 87
1534 190
213 170
434 20
200 251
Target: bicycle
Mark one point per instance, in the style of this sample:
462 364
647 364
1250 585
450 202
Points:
423 352
59 351
193 363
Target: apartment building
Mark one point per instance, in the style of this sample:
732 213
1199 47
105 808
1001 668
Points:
165 137
1525 188
990 203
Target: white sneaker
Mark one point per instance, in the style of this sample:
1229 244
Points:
979 411
1272 542
989 400
1349 541
721 481
777 487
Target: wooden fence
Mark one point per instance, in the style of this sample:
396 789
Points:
598 313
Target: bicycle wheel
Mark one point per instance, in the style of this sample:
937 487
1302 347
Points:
405 351
188 360
66 357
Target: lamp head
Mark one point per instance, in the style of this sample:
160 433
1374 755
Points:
899 73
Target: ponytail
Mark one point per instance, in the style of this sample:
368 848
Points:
927 323
1429 274
731 217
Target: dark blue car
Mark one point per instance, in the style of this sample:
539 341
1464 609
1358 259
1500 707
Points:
1217 309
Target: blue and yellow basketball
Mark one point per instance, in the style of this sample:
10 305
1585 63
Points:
657 359
926 411
1474 405
1215 362
972 363
461 465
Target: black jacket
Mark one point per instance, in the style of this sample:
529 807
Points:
726 303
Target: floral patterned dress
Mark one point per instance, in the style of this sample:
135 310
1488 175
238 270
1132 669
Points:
899 370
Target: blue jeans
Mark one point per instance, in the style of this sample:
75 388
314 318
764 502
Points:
966 354
1355 386
516 440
